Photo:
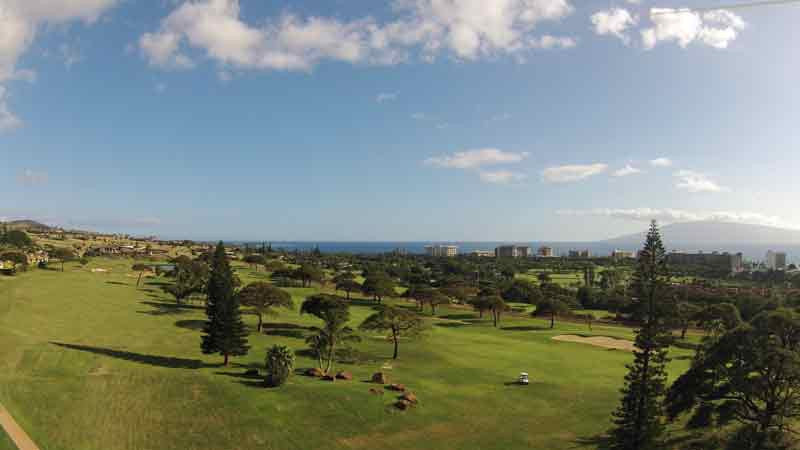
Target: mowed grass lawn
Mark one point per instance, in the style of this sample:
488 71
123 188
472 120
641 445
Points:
88 361
5 442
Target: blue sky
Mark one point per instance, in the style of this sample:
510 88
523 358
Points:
406 120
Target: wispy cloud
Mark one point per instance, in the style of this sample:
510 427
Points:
568 173
386 97
625 171
30 177
681 215
8 121
689 180
661 162
419 116
472 159
501 177
615 21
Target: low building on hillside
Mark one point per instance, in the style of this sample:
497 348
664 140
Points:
482 253
618 255
545 252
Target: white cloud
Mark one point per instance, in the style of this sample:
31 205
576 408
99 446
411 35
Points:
29 177
472 159
625 171
564 174
692 181
614 21
714 28
661 162
8 121
20 21
501 177
386 97
468 29
548 42
680 215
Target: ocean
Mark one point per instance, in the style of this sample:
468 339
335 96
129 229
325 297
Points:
751 252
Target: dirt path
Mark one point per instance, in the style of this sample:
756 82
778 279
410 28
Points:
598 341
15 432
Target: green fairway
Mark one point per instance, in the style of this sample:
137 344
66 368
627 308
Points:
88 361
5 441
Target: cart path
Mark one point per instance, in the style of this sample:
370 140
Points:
15 432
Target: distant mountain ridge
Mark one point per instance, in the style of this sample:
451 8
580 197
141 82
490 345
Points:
26 225
703 234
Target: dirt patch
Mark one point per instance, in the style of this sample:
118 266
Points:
597 341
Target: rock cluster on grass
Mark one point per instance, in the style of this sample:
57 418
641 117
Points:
315 372
397 387
344 376
380 378
406 401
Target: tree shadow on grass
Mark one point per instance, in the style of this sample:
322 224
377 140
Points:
151 360
452 324
117 283
157 283
460 316
194 325
161 308
525 328
600 442
284 329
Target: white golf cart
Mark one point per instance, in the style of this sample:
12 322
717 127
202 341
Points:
523 378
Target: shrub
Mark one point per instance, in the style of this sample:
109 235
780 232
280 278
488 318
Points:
279 365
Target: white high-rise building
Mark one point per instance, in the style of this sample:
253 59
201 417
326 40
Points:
441 250
776 260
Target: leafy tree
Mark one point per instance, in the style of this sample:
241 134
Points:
544 277
638 420
685 313
434 298
307 274
254 260
62 254
263 297
717 319
334 313
481 304
399 322
751 374
497 306
16 238
460 292
224 332
18 258
378 285
551 306
522 291
279 365
347 285
138 267
191 277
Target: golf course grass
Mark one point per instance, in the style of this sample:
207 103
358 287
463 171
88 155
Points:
5 442
90 361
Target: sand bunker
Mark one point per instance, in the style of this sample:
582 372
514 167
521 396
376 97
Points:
598 341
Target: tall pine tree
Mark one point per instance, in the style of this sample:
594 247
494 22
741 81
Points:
638 420
224 332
